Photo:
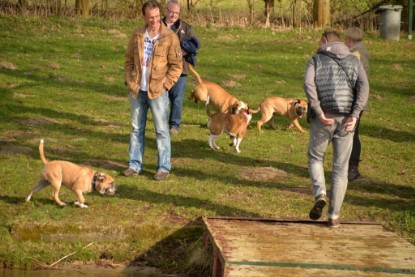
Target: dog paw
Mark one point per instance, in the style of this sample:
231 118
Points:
81 205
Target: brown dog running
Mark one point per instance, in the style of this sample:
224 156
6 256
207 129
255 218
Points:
215 96
290 107
235 125
78 178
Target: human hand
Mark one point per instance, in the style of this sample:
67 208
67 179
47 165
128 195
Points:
350 124
326 121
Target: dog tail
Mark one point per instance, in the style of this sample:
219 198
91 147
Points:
254 111
199 80
41 152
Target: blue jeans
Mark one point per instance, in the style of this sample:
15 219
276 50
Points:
159 109
342 141
176 95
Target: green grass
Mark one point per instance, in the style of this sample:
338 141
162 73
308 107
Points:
67 87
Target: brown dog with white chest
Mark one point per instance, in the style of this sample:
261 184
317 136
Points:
80 179
215 96
292 108
235 125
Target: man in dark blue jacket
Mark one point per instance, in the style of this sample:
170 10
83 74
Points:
189 44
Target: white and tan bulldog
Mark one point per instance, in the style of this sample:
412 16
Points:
215 96
235 125
80 179
290 107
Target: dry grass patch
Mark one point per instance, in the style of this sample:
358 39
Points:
263 174
8 65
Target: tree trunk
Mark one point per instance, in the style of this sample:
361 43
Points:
104 7
82 7
22 4
297 13
251 12
269 8
321 13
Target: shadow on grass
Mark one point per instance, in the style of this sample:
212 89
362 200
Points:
20 200
183 252
404 201
199 150
137 194
383 133
57 82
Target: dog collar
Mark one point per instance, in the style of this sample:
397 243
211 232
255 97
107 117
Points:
94 181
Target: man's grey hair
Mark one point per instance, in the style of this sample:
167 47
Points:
174 2
354 33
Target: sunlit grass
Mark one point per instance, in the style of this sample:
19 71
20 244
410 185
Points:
67 87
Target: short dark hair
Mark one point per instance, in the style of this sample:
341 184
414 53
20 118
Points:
152 4
330 36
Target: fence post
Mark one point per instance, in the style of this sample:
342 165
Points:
410 18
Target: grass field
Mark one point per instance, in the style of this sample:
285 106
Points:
62 80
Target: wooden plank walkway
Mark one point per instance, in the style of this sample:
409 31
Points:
271 247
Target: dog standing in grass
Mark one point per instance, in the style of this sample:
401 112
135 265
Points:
79 179
235 125
215 96
290 107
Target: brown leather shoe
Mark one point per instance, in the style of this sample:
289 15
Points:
333 223
161 175
130 172
174 131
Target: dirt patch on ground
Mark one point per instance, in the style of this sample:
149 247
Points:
36 121
8 65
117 98
21 95
396 67
237 76
117 33
261 174
231 83
110 165
15 150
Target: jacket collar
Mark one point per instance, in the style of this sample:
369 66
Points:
176 25
163 30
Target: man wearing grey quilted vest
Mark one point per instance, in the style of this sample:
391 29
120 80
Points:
337 90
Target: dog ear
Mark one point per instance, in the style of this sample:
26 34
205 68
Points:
101 177
298 101
234 107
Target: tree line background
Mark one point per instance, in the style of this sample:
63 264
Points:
267 13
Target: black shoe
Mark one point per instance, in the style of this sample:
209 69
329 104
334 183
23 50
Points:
353 173
317 210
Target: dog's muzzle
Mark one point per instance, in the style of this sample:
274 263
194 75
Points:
110 190
300 111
